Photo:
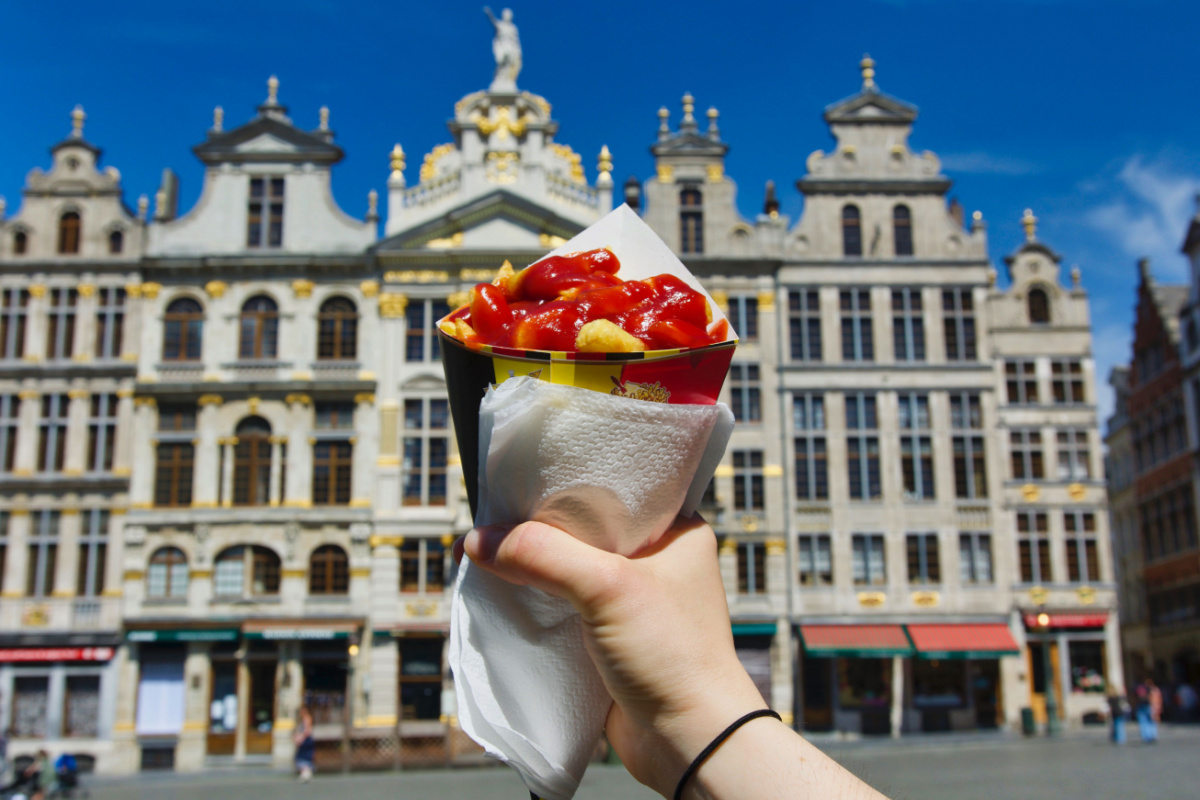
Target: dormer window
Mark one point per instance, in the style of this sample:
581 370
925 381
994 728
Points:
20 243
902 230
1039 307
116 243
264 214
691 221
851 231
68 233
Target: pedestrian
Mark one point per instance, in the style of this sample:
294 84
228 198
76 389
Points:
1186 701
305 745
1118 711
1149 710
4 737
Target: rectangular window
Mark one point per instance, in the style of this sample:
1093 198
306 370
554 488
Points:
1020 377
908 325
30 707
426 452
916 446
60 324
1083 558
265 213
43 554
858 343
335 416
804 325
808 419
815 554
176 417
958 318
923 564
975 557
748 480
691 231
1026 454
422 565
743 316
421 678
81 707
745 392
14 311
173 467
1066 380
4 518
52 433
110 321
10 423
862 447
1033 546
752 567
420 341
93 554
332 468
102 433
1074 458
870 566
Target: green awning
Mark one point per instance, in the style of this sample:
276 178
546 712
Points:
754 629
183 635
855 641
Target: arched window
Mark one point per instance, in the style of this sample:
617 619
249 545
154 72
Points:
116 243
259 328
183 328
1039 306
329 571
252 463
337 329
851 231
902 230
68 233
691 220
20 243
167 576
246 570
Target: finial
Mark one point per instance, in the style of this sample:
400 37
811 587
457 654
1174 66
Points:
324 113
143 207
372 205
633 192
713 131
397 158
272 91
664 127
604 164
1076 276
218 119
868 72
770 201
1029 222
77 118
689 105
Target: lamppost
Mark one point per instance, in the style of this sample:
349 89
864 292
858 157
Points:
1052 723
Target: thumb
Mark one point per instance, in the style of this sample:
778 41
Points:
547 558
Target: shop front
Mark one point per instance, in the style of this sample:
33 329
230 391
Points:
955 676
848 676
1071 653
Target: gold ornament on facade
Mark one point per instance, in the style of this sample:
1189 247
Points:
867 65
421 608
1030 493
728 546
766 301
216 289
666 173
720 297
604 163
253 403
81 358
37 290
772 471
445 242
392 305
78 394
302 288
133 290
716 173
926 599
549 240
360 502
1086 595
749 523
776 547
87 289
151 290
1077 491
429 165
145 401
477 275
418 275
456 299
209 400
1038 595
298 399
1029 223
365 398
35 616
369 288
871 599
502 167
397 158
504 123
124 392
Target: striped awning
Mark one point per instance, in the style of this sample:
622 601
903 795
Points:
979 640
855 641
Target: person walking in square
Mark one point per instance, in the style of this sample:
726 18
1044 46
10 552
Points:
306 746
1118 711
1149 710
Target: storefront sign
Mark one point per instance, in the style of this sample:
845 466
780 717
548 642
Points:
21 654
1083 620
184 635
294 634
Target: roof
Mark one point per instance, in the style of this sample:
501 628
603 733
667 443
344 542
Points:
871 106
281 141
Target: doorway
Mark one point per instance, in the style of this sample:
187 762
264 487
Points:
223 709
1037 672
817 679
260 719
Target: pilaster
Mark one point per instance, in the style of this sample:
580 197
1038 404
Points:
27 439
141 483
75 461
16 562
206 479
189 752
123 457
66 565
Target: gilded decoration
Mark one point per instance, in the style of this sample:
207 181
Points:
1077 491
728 546
926 599
721 298
446 242
216 289
133 290
416 276
478 275
392 305
549 240
666 173
78 394
151 290
302 399
458 299
502 167
1030 492
573 159
766 301
87 289
429 165
1038 596
871 599
749 523
302 288
365 398
504 122
716 173
369 289
1086 595
37 290
209 400
776 547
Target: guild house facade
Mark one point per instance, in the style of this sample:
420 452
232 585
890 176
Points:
244 500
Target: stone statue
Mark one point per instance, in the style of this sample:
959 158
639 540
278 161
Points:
506 47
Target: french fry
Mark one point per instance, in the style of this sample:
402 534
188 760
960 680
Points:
603 336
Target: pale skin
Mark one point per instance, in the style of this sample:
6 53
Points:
657 627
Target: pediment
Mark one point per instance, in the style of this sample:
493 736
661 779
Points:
265 138
871 106
424 383
266 143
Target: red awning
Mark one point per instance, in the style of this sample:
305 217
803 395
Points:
19 654
1094 619
985 640
861 641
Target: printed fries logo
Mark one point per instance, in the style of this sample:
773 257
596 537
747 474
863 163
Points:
652 392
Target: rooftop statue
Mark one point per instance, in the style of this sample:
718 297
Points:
506 47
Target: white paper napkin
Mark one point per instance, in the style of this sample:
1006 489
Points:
613 471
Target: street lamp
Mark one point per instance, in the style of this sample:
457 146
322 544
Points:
1052 724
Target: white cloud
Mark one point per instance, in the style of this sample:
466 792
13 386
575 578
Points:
979 162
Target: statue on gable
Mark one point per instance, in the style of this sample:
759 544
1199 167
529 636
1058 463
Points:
506 47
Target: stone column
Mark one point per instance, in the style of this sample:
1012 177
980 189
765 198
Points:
141 481
207 476
897 715
197 679
243 703
35 323
27 438
227 443
289 679
298 492
66 565
126 752
123 455
75 461
83 347
385 581
115 558
384 669
145 342
365 445
387 462
276 489
783 671
15 565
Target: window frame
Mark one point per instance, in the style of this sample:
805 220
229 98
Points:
804 325
749 482
858 338
337 330
329 566
852 244
1067 385
93 553
110 321
188 326
166 558
251 468
45 537
1082 546
751 557
103 416
971 546
918 476
53 429
968 446
868 553
810 446
902 230
267 206
743 316
420 337
908 325
862 447
61 310
10 428
1026 456
961 336
1033 536
70 232
745 392
691 220
1074 454
14 322
926 569
261 322
814 551
425 453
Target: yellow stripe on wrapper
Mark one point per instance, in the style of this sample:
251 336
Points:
599 376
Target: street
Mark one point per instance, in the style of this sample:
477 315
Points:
1080 765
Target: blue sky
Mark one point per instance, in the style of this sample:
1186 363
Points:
1084 110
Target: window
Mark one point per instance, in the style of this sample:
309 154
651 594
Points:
808 419
975 558
110 322
43 554
246 570
1074 460
332 469
869 563
908 325
958 318
1021 378
421 341
744 392
252 463
743 316
970 463
167 576
1039 307
4 520
93 554
421 678
14 311
60 324
337 330
102 433
52 433
329 571
916 447
815 555
804 325
1083 559
116 243
1087 664
858 344
923 565
422 565
752 567
81 706
862 446
335 416
691 221
902 230
851 231
183 329
265 209
1033 546
1066 380
174 463
426 451
20 243
259 328
748 480
30 707
10 423
68 233
1026 446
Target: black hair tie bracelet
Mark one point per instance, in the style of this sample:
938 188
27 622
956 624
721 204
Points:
717 742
